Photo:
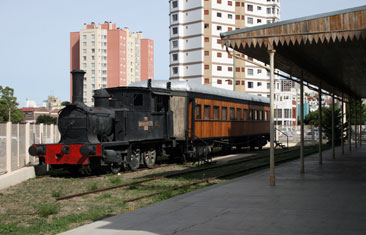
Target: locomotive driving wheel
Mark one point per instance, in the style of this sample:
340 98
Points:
115 168
149 157
135 160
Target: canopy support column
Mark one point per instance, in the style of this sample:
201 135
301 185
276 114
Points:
333 129
356 121
320 128
272 181
349 126
302 168
359 123
342 125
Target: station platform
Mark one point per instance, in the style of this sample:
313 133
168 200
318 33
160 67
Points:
327 199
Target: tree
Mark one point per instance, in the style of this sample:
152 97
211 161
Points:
46 119
313 119
8 101
327 124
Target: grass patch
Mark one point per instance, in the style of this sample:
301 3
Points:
92 186
57 193
115 180
46 209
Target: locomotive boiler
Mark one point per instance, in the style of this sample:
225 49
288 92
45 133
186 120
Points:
132 126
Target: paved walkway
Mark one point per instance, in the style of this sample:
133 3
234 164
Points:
328 199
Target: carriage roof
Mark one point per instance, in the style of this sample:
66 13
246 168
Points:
194 86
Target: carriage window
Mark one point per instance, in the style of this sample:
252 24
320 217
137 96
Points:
224 113
138 100
232 113
245 116
251 114
216 112
198 112
238 114
206 112
266 115
255 114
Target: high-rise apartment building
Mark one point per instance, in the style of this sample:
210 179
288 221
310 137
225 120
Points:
196 51
110 56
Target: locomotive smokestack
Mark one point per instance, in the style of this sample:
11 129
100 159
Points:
77 86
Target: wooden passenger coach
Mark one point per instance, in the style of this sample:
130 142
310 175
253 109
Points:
204 115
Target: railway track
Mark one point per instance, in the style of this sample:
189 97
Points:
263 155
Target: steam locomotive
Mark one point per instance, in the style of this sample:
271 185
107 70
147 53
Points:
131 126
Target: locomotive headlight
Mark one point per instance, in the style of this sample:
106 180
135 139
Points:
88 150
37 150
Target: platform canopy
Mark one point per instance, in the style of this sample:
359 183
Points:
328 49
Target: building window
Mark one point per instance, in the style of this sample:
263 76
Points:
237 69
84 43
216 110
287 113
243 83
259 83
229 16
175 4
218 41
219 54
207 39
84 36
175 70
219 1
93 50
175 30
259 21
219 68
230 69
229 29
84 57
207 66
259 8
207 81
259 71
237 83
198 112
207 53
250 20
268 10
219 14
230 3
207 26
250 71
207 112
249 7
268 85
230 82
175 43
206 12
219 81
175 57
219 28
237 17
250 84
175 17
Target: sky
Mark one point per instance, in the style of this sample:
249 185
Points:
35 36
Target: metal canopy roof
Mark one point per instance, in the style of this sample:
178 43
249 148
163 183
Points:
328 48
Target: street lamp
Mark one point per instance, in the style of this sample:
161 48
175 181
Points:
9 107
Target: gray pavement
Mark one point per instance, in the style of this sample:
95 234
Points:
328 199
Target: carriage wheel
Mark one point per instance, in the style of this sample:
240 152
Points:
149 157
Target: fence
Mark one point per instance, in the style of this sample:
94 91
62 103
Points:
15 140
311 134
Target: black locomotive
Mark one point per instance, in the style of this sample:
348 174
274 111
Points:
132 125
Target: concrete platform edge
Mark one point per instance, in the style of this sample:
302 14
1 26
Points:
16 177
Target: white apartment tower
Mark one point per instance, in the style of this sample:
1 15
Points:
196 51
